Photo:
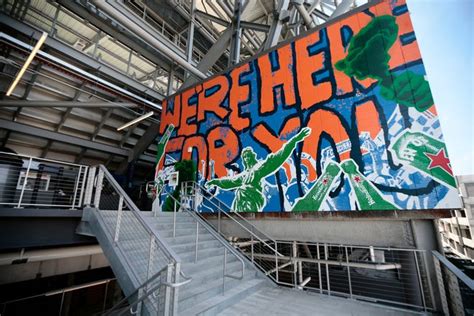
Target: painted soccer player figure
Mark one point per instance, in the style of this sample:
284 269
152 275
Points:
248 184
160 156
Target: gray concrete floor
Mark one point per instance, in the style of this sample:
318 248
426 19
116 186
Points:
280 301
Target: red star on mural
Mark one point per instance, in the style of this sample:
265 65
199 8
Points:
325 181
440 160
357 179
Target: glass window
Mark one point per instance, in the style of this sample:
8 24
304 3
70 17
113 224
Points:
469 189
43 183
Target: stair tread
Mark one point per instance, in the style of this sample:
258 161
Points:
215 300
205 291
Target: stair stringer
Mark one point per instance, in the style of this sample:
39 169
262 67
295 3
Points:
125 276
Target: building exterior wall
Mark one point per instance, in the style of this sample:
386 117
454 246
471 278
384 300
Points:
457 232
339 119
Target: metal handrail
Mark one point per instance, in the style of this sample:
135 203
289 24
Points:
455 270
171 254
221 210
233 212
43 159
70 181
148 292
201 221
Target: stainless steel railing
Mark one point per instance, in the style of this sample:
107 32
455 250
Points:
149 258
27 181
455 287
200 222
75 293
392 276
149 292
198 197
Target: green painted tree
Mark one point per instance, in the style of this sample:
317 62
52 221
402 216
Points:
368 57
187 172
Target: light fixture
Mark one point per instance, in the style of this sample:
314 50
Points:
135 121
27 63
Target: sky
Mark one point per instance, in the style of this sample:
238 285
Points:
445 34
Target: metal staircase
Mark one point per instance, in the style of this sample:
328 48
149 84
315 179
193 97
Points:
189 262
166 263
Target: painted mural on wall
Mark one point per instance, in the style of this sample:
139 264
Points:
340 119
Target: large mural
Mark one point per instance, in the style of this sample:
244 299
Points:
340 119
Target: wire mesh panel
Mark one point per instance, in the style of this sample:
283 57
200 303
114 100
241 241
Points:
27 182
131 236
149 259
396 277
147 299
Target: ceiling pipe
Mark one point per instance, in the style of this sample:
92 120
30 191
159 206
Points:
128 22
48 254
58 62
64 104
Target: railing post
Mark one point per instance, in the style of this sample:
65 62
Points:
24 182
84 179
319 269
174 218
76 186
295 264
251 246
327 269
174 305
425 261
98 188
150 256
441 287
138 311
197 241
348 273
119 219
223 271
89 187
276 261
419 280
219 221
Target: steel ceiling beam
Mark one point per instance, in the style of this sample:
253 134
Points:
71 140
214 53
255 26
280 16
90 15
64 104
81 58
212 18
142 144
140 29
342 8
101 124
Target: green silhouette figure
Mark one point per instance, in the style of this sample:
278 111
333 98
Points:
160 155
248 186
368 57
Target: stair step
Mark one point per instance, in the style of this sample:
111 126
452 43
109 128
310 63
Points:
204 294
214 273
179 240
202 253
191 268
170 215
191 225
215 304
184 248
194 295
183 232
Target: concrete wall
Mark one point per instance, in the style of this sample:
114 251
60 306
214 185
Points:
388 229
41 269
421 233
